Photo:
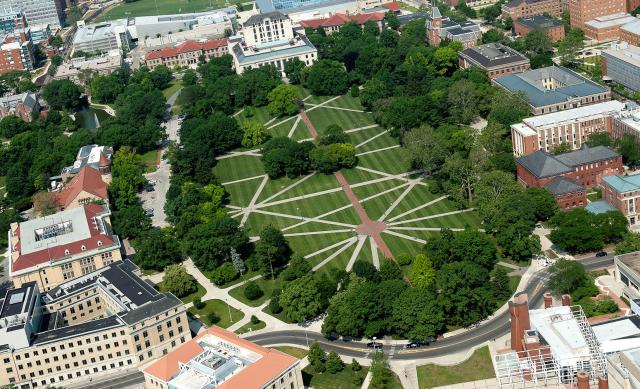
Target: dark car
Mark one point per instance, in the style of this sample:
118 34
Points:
149 188
601 254
374 345
414 345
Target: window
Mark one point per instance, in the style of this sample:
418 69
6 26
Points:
87 265
67 271
107 258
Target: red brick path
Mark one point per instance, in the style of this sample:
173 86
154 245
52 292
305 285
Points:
368 227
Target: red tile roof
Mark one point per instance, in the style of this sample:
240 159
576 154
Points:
269 366
340 19
186 47
25 261
393 6
88 180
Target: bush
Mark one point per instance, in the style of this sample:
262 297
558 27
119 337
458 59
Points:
590 290
224 273
177 281
198 304
253 291
355 366
254 319
355 91
274 304
404 259
213 317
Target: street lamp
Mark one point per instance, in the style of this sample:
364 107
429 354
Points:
375 346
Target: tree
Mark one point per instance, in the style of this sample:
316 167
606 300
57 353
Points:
445 59
508 108
156 249
538 41
272 250
177 281
301 299
372 90
326 77
426 149
11 126
381 376
391 19
492 191
366 270
254 133
463 176
543 203
62 94
463 102
298 267
237 261
333 134
404 259
595 139
464 292
422 274
629 148
282 100
333 157
224 273
389 270
317 357
416 314
57 42
570 46
334 363
189 77
576 231
253 291
293 68
500 284
492 36
630 243
281 156
567 276
130 221
209 244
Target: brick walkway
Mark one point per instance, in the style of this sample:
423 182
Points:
368 227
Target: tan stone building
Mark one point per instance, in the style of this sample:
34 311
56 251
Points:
58 248
85 187
232 363
104 323
186 53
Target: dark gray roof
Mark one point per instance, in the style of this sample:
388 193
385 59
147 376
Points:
18 300
587 155
561 185
530 83
542 164
76 330
493 54
538 21
515 3
161 303
258 18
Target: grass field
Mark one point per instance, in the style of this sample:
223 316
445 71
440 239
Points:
192 297
293 351
251 327
173 88
478 367
221 309
161 7
346 379
313 211
149 160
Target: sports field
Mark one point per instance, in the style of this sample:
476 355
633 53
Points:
313 211
161 7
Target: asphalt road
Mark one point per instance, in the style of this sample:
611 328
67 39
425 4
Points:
488 330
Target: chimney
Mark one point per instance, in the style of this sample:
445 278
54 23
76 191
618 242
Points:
583 380
519 313
603 382
566 300
548 300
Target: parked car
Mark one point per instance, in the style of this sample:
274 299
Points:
601 253
414 345
374 345
149 188
149 212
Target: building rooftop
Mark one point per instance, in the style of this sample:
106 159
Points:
339 19
625 52
29 99
599 206
220 359
493 54
574 114
515 3
113 59
561 186
543 164
623 183
632 27
612 20
538 21
91 155
186 47
15 305
560 329
87 180
97 31
258 18
550 85
244 54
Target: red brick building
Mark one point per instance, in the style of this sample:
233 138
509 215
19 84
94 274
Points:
17 52
517 9
553 28
568 175
608 27
581 11
495 59
335 22
186 53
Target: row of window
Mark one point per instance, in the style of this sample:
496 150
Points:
69 376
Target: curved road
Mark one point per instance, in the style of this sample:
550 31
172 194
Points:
494 328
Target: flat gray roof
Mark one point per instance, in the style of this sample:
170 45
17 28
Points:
61 228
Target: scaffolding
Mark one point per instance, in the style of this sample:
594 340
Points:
539 367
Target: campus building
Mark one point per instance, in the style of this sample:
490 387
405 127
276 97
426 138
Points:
24 105
581 11
552 27
573 127
104 323
441 28
630 33
627 273
621 63
187 53
554 88
53 249
93 156
85 187
568 175
102 64
17 52
607 27
517 9
623 193
11 21
495 59
102 37
269 39
38 11
220 359
335 22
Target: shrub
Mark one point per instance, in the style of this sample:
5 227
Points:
198 304
253 291
224 273
355 366
274 304
213 317
355 91
254 319
590 290
404 259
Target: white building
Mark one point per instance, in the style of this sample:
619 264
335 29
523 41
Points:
102 36
269 39
37 11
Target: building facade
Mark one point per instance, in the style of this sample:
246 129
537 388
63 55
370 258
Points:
79 67
607 27
441 28
239 364
621 63
57 248
102 37
24 105
269 39
335 22
517 9
186 53
554 88
581 11
84 188
11 21
623 193
38 11
572 127
105 323
17 52
630 33
552 27
495 59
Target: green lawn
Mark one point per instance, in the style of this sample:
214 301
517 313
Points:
161 7
149 160
221 309
267 287
478 367
174 86
251 327
293 351
193 296
346 379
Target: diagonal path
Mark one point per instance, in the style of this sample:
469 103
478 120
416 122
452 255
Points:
231 154
407 237
362 239
364 142
304 218
412 210
293 128
398 200
338 108
251 205
336 253
325 249
244 179
324 232
432 216
361 128
377 150
374 253
300 181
